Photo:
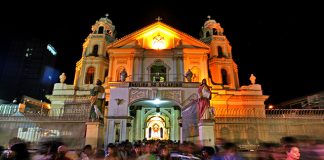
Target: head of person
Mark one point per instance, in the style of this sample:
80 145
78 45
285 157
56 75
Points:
204 81
230 148
87 149
62 149
164 151
207 151
292 152
111 149
19 150
99 82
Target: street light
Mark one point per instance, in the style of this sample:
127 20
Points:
271 107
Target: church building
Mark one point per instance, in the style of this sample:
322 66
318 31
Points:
151 78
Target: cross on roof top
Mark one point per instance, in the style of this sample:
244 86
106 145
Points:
158 18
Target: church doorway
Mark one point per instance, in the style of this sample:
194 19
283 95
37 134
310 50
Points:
155 120
156 128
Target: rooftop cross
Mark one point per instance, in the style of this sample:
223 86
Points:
158 18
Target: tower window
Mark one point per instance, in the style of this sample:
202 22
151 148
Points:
224 77
100 31
95 50
90 75
220 52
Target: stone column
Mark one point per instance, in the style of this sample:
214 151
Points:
94 134
76 76
123 129
176 125
111 131
131 67
110 69
138 123
206 132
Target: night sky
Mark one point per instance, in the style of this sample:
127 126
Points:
281 44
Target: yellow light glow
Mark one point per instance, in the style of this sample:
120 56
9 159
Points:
271 107
158 42
158 38
48 106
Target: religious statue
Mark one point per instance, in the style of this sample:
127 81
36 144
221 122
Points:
189 75
98 97
156 131
204 96
252 79
62 77
123 75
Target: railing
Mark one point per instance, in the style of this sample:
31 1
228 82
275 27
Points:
71 114
295 113
157 77
155 84
8 109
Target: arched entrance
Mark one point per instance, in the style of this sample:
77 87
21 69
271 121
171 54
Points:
154 120
156 128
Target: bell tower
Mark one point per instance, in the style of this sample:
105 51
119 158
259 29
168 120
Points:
94 62
222 69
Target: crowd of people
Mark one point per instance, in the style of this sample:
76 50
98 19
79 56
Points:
289 149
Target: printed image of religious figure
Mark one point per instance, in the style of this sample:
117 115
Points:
204 96
156 131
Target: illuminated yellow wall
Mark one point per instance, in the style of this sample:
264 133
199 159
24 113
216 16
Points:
167 37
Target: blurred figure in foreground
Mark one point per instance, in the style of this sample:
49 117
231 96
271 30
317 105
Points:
292 152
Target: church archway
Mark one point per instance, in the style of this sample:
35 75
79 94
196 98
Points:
156 128
152 120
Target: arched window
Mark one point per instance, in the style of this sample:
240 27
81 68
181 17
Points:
220 52
214 31
158 71
100 31
224 77
95 50
225 133
208 34
90 75
252 135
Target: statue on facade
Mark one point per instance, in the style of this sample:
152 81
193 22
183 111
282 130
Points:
98 97
62 77
189 75
252 79
204 97
123 75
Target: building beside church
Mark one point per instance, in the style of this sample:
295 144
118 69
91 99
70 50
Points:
29 62
311 101
155 100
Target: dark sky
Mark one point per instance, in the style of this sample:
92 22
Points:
279 43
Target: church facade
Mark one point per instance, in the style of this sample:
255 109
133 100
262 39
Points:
154 98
